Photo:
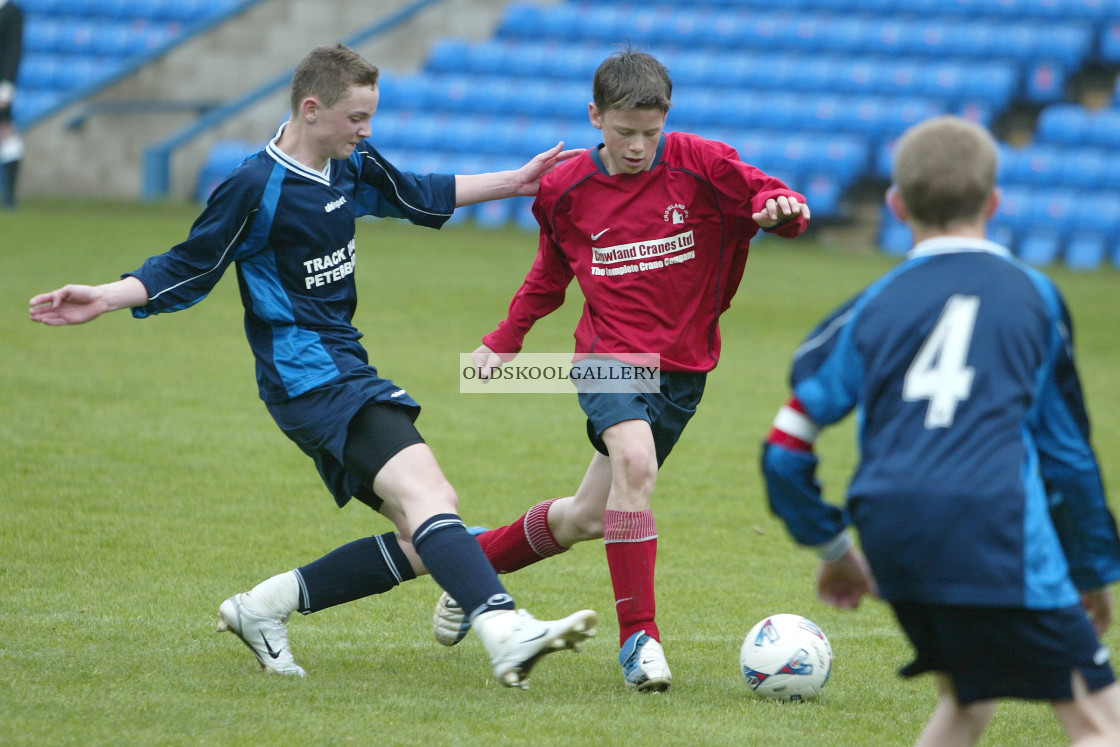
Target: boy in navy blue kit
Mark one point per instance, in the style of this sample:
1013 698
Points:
978 497
286 219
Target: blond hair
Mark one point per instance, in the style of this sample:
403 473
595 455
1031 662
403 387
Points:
945 171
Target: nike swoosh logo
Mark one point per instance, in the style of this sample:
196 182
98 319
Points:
273 654
398 393
540 635
595 236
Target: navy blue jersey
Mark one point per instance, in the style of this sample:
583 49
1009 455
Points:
290 231
976 484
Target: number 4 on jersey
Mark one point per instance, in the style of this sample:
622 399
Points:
938 372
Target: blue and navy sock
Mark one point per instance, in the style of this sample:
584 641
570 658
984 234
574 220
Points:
367 566
456 561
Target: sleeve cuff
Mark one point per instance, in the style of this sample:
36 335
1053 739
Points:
835 548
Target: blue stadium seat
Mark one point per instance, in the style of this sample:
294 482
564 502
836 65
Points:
495 94
1086 168
453 93
1110 172
1040 247
825 113
860 75
823 191
1015 211
1063 123
1001 234
40 36
903 78
884 158
523 216
1108 43
739 30
448 55
901 113
400 92
889 37
40 71
994 83
1066 43
33 103
1086 250
522 20
970 39
1045 82
1104 128
981 112
848 34
390 129
847 157
224 157
493 214
1040 165
894 236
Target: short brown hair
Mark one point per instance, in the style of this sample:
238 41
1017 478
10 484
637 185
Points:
945 170
328 72
629 79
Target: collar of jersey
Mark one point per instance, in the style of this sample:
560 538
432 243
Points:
954 244
598 159
293 165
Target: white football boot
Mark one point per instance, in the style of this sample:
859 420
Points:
644 665
516 640
264 632
449 623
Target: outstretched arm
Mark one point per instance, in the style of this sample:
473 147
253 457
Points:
522 182
77 304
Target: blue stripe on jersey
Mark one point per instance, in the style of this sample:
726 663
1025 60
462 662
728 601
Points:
1046 582
301 360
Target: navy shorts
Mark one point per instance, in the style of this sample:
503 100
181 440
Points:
994 652
667 411
319 421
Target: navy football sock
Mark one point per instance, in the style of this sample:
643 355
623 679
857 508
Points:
367 566
453 556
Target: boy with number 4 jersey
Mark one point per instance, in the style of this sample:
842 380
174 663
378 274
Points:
978 498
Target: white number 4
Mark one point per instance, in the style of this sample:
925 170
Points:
938 372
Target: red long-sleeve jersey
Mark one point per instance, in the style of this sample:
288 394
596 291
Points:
658 254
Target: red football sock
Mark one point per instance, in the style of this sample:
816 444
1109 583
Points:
630 539
523 542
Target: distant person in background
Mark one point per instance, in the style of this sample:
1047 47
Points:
11 144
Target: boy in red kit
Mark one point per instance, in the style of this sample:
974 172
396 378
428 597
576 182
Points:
655 227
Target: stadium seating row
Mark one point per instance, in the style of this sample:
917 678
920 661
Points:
1043 226
66 36
496 70
75 46
183 11
1091 10
1067 43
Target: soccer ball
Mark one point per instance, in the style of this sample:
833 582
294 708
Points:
786 657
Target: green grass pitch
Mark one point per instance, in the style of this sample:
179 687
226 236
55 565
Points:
143 482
